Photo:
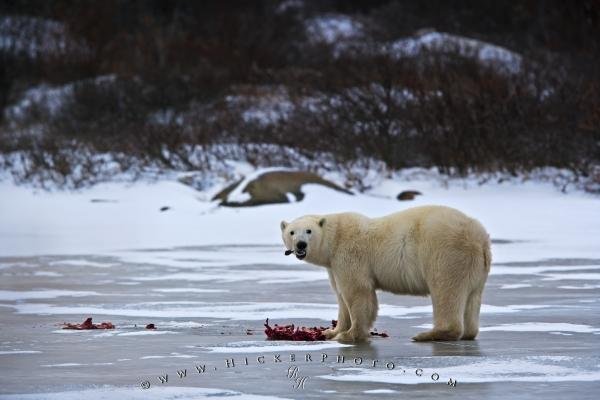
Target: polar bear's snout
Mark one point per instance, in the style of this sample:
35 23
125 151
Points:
301 250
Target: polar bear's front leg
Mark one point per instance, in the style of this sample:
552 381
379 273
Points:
362 305
343 321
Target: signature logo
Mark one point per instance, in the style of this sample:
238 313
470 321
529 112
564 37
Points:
298 381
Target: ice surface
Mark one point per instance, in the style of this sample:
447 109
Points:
541 327
236 275
241 311
83 263
148 332
11 295
135 393
172 355
572 277
273 346
515 286
181 325
63 365
580 287
533 327
492 370
207 257
542 270
189 290
47 273
379 391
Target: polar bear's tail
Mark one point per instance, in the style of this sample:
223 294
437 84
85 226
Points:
487 256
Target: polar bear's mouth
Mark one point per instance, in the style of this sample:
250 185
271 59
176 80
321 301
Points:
300 254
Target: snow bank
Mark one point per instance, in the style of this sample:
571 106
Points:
347 37
47 100
486 53
264 105
332 28
37 38
538 221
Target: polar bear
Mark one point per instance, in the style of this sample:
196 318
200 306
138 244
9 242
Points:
428 250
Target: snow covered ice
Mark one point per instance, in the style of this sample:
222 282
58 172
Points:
207 277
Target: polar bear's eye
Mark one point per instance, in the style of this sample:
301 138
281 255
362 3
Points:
308 231
292 233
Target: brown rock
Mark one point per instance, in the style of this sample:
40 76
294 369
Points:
222 195
273 187
408 195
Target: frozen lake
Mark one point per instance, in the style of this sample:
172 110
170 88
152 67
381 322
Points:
540 330
540 320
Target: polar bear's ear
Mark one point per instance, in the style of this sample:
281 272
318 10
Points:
322 222
283 225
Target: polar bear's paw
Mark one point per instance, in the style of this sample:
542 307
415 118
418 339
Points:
330 333
436 334
350 336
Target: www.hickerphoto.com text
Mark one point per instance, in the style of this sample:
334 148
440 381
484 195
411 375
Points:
307 359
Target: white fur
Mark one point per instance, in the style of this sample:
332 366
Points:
423 250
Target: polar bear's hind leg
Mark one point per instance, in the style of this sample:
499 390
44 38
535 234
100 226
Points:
448 316
472 315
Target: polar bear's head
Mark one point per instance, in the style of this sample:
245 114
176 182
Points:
304 237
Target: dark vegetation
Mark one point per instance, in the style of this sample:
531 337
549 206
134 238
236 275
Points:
178 76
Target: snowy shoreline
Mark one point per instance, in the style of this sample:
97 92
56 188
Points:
529 217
